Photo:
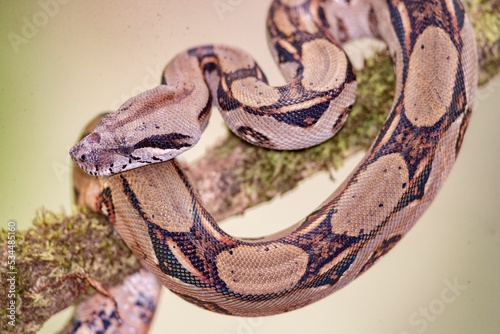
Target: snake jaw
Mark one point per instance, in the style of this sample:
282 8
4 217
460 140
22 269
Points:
98 159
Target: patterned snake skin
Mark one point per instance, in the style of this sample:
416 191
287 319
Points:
160 216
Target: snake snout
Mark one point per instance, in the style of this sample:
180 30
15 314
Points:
78 154
85 157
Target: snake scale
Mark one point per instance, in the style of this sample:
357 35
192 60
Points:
159 214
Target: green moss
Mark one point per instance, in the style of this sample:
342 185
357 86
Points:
485 18
54 257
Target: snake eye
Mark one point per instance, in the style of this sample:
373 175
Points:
83 157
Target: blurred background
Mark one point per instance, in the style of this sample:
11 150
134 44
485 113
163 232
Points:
64 61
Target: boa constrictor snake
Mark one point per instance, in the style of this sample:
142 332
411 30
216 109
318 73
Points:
160 216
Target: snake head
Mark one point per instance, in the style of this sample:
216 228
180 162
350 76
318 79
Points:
103 160
141 132
88 155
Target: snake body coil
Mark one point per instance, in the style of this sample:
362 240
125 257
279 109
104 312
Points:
160 216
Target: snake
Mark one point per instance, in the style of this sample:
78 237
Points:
148 198
127 307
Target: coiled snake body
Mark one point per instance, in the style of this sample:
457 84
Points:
160 216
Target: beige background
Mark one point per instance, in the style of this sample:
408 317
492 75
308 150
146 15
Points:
90 56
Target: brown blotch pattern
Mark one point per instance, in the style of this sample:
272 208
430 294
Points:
431 77
262 269
371 196
319 74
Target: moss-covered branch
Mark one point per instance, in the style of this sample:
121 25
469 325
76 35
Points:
485 17
55 256
53 259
